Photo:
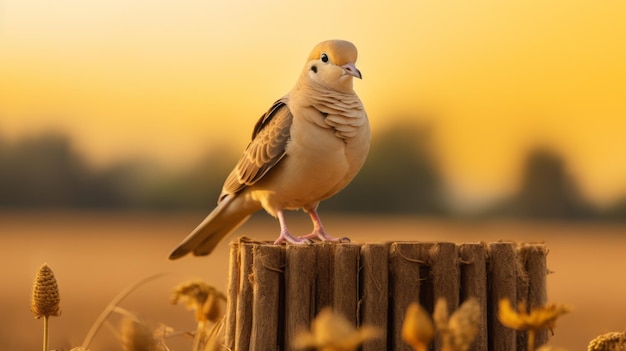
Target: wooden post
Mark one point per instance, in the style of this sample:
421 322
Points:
503 284
300 262
404 287
325 261
244 298
232 292
474 284
444 259
275 291
346 281
266 276
533 257
374 299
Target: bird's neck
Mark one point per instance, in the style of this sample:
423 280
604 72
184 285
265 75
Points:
343 112
318 94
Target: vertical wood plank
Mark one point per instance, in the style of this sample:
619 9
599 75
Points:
446 278
324 253
404 286
374 297
232 291
346 281
244 298
474 284
446 274
300 268
534 258
503 284
267 274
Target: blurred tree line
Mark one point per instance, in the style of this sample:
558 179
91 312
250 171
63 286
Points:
401 175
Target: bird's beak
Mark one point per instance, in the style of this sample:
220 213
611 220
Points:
350 68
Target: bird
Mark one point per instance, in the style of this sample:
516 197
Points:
307 147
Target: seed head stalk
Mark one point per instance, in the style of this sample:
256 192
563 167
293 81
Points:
45 333
45 299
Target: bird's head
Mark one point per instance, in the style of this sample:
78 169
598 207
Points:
332 65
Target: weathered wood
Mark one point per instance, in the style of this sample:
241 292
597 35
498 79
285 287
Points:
231 301
346 281
533 257
300 274
244 298
503 274
473 271
444 260
374 299
404 287
325 257
445 275
266 277
522 296
275 291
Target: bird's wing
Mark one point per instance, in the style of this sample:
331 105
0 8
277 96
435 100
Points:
267 147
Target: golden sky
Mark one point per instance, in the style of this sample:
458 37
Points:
173 79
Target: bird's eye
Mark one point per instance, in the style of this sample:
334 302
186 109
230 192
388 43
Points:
324 57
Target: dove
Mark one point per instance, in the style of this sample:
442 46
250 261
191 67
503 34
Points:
307 147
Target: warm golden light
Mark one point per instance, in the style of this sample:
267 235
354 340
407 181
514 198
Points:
173 81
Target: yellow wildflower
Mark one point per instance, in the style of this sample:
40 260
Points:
537 319
332 332
417 329
459 331
201 297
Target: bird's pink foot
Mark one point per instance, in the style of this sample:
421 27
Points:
323 236
286 236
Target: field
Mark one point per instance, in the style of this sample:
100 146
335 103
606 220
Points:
96 255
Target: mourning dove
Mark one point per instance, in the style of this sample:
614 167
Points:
307 147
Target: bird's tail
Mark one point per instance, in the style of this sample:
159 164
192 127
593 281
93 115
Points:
224 219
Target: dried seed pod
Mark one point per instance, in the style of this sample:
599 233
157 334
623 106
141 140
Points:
612 341
46 299
136 336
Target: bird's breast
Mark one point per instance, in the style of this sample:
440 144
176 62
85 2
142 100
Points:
314 166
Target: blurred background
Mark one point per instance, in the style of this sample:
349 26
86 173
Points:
120 120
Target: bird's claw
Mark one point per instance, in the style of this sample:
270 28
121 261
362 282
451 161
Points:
285 236
323 236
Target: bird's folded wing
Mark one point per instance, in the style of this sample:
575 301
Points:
267 147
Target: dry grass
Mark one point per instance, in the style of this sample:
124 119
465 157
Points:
613 341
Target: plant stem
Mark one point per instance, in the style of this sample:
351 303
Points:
531 340
111 306
199 337
45 333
